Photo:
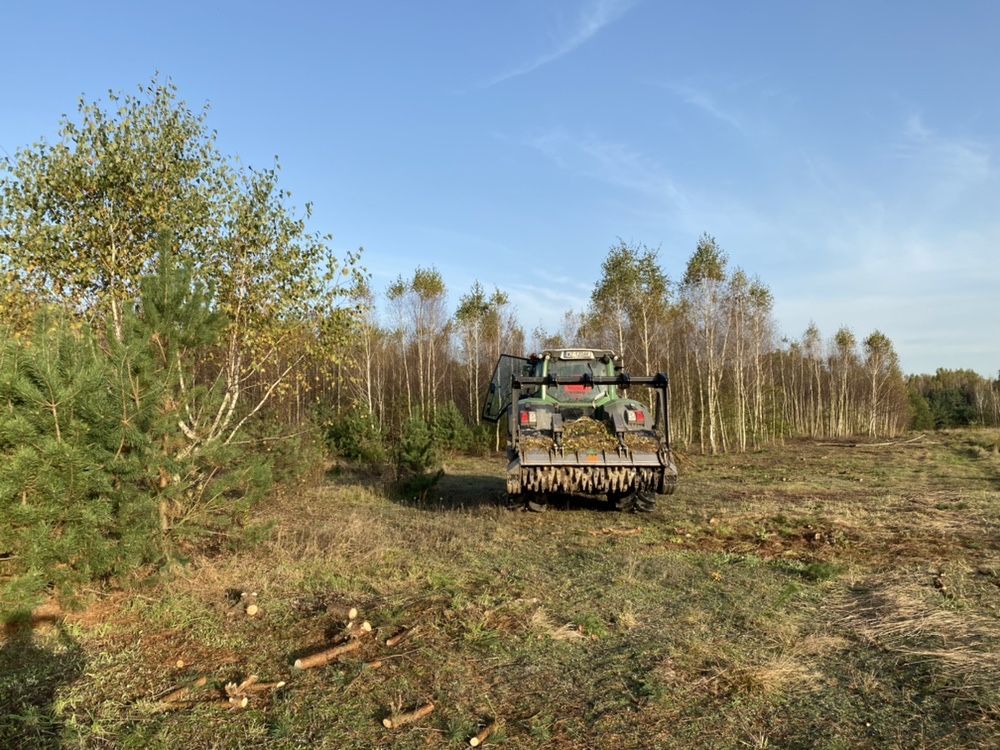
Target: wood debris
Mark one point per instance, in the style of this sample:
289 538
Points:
401 636
328 655
608 531
238 694
180 697
355 630
484 735
236 702
349 614
243 603
262 687
407 717
234 690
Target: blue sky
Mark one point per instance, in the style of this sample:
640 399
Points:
845 152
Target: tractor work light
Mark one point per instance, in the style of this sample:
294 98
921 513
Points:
635 416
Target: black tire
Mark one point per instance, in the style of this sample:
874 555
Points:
645 502
530 501
634 502
535 504
621 502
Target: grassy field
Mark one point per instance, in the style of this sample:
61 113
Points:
814 595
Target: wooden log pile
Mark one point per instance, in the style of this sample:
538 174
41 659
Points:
355 637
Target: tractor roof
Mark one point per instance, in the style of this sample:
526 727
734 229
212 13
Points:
578 353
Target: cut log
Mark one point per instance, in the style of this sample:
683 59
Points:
235 702
400 637
407 717
480 738
352 631
263 687
325 657
246 602
184 691
233 690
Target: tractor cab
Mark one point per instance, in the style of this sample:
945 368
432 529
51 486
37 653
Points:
569 371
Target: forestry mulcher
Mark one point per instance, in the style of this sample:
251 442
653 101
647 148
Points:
571 428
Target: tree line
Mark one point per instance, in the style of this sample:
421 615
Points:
736 382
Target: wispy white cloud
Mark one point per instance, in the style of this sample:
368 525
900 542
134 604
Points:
707 103
951 164
593 17
655 196
933 295
545 305
609 161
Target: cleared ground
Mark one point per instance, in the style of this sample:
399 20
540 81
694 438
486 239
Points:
813 595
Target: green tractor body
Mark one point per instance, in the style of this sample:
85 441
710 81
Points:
572 428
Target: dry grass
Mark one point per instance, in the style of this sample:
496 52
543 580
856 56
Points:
961 647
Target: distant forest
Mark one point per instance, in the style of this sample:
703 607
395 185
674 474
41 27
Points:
736 382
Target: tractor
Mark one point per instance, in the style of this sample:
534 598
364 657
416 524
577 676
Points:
572 428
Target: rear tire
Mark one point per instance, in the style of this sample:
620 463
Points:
621 502
531 501
645 502
634 502
536 504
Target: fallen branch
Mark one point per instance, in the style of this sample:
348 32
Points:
325 657
401 636
608 531
263 687
480 738
183 692
408 717
918 438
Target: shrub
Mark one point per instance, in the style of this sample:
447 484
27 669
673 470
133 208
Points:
417 462
451 434
353 434
73 509
96 474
